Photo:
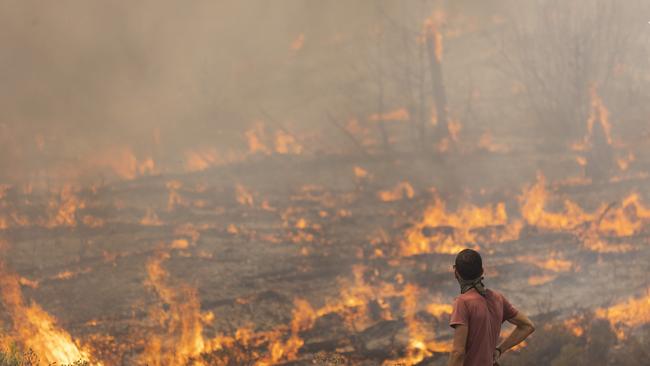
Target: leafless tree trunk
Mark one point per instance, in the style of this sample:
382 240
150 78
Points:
434 48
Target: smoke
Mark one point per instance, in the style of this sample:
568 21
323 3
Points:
84 81
81 76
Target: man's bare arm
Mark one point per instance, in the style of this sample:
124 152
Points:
457 355
524 328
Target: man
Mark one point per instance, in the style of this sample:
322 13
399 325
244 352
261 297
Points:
477 317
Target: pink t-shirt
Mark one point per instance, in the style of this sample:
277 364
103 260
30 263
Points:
483 316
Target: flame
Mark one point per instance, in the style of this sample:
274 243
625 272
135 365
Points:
486 143
400 114
360 173
626 219
181 319
533 209
354 297
422 341
625 161
63 209
244 197
92 221
122 161
454 128
286 144
197 160
400 191
438 310
598 114
182 323
431 29
150 218
451 232
574 325
29 283
283 143
174 198
203 158
303 319
632 312
361 132
540 280
298 43
232 229
188 230
553 262
35 328
255 137
179 244
67 274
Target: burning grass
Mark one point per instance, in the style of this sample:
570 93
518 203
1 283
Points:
381 301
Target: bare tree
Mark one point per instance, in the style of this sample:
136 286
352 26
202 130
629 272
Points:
559 49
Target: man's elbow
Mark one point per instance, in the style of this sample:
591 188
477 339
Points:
529 327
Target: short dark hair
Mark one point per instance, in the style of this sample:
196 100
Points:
469 264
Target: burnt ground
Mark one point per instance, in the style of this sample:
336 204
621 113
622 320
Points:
250 260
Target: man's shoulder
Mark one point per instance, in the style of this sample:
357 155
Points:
469 296
473 295
494 292
496 295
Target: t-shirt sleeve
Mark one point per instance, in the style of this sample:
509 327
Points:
509 311
459 314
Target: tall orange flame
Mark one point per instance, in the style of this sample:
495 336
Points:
35 328
450 232
182 321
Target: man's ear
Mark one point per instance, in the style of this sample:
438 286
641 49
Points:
482 271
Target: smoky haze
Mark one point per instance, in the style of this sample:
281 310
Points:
80 78
158 78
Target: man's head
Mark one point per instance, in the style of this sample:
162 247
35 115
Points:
469 264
